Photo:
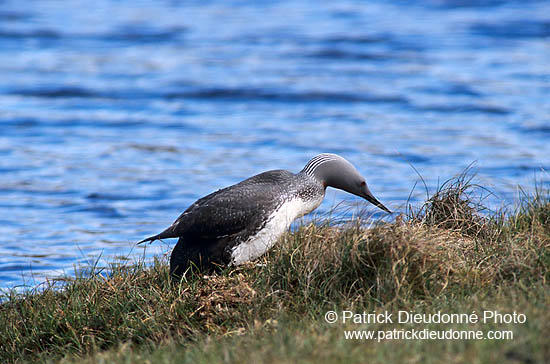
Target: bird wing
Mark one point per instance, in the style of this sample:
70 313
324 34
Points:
229 211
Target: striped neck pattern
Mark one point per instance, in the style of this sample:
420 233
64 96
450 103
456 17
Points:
316 161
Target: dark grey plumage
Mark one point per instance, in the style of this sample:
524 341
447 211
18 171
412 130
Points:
212 227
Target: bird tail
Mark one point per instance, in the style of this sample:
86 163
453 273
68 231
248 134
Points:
151 239
168 233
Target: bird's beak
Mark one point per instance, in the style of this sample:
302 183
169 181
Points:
369 197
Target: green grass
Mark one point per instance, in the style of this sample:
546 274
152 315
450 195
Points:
446 255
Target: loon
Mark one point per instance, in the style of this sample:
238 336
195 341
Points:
241 222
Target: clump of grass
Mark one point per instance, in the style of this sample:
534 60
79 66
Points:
446 250
457 205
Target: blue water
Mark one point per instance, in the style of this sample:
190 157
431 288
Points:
116 115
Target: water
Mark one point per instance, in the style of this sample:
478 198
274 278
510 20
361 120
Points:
116 116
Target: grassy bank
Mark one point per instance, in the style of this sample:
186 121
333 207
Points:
442 256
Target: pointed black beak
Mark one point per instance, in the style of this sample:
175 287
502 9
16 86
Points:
369 197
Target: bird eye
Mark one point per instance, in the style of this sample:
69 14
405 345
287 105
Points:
363 183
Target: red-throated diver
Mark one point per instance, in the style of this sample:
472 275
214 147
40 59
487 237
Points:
239 223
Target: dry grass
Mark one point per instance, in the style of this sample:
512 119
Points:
401 262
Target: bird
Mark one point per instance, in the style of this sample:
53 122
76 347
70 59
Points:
239 223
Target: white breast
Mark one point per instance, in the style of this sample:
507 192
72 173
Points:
278 223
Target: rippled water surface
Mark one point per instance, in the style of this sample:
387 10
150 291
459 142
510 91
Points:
116 115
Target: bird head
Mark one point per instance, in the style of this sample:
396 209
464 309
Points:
334 171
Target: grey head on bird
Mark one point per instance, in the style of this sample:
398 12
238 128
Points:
241 222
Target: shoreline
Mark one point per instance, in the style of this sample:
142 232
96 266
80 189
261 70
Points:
444 256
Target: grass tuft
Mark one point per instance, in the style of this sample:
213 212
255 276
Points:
457 205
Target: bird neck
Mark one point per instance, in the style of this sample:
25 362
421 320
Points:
310 187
